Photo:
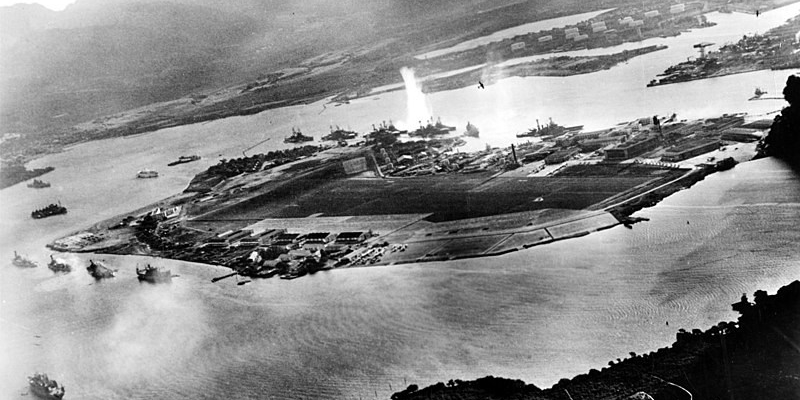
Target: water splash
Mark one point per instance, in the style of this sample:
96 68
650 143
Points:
419 111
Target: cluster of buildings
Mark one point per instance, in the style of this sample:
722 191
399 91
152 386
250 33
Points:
614 28
281 241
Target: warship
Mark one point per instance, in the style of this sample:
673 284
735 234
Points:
298 137
44 387
50 210
37 184
153 274
99 271
57 266
22 262
433 129
551 129
339 134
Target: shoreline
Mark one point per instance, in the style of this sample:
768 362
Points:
699 363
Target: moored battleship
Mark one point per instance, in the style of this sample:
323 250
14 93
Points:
184 159
551 129
153 274
472 131
50 210
22 262
43 387
99 271
433 129
57 266
340 134
37 184
298 137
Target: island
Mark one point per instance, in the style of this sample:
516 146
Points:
776 49
403 197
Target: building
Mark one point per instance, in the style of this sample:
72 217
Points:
285 241
597 143
545 38
677 8
318 240
518 46
741 135
689 150
561 156
759 124
268 236
632 148
651 14
352 237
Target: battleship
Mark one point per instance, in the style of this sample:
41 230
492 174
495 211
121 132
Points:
298 137
22 262
472 131
50 210
183 160
339 134
37 184
57 266
43 387
99 271
433 129
153 274
551 129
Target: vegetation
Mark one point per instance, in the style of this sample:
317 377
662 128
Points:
15 172
783 140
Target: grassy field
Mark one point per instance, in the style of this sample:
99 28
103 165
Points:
446 197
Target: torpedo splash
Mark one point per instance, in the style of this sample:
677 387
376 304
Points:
418 109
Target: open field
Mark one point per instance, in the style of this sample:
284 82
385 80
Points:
447 197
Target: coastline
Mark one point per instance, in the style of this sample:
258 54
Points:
754 357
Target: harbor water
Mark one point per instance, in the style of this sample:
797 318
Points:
538 315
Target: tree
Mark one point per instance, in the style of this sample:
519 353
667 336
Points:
783 140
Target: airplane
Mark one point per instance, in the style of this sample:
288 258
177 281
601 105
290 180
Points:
480 85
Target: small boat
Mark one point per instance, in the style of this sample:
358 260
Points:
50 210
184 159
22 262
340 134
43 387
147 173
37 184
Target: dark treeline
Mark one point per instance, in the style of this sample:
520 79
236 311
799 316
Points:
783 140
